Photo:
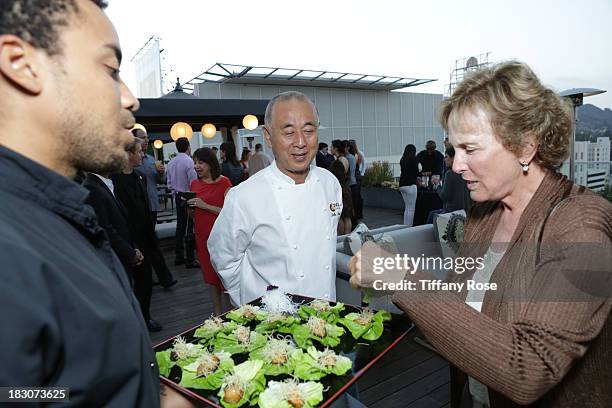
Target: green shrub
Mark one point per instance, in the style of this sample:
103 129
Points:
376 174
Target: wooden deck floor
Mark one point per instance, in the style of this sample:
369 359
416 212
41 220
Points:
408 376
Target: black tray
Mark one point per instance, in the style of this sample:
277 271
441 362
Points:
363 354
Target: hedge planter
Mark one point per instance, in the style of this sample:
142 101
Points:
382 197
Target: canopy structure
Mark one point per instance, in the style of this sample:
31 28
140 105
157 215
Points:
159 114
244 74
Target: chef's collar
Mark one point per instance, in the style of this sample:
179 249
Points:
285 178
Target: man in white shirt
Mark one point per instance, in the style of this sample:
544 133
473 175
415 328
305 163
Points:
279 226
259 160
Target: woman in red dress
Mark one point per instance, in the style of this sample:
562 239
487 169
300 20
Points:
210 188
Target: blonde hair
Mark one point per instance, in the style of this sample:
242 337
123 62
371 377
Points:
518 105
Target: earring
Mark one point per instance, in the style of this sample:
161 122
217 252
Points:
525 167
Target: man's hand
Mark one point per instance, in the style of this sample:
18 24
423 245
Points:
138 257
169 398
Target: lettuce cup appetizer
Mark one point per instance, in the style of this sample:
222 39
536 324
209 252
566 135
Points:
367 324
242 385
291 394
208 371
315 364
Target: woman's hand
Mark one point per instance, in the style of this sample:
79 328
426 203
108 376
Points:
197 203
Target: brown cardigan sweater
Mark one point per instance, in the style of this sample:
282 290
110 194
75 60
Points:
544 338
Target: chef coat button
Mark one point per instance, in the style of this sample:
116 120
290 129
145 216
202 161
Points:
326 266
288 217
279 187
301 276
327 237
327 295
294 246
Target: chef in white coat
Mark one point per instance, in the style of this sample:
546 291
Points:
279 226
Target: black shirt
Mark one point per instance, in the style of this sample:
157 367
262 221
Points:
431 163
131 191
69 317
234 172
410 171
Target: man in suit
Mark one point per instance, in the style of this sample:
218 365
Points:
113 218
149 171
130 189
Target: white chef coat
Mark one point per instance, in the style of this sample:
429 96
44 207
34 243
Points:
272 231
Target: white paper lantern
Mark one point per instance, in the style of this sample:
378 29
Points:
181 129
209 130
250 122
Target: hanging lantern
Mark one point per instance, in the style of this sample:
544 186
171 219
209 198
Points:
158 144
139 126
250 122
209 130
181 129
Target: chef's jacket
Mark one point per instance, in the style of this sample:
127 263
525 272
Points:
272 231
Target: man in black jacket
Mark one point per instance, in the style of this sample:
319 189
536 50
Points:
69 318
112 216
131 191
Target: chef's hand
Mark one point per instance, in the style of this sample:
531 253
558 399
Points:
197 203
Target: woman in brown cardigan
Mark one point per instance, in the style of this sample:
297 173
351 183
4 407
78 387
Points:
544 337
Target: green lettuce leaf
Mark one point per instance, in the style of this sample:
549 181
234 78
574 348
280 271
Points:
250 371
282 326
275 395
307 365
163 362
269 368
331 315
303 337
206 334
238 315
212 381
370 331
229 342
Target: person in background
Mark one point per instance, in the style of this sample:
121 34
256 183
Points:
345 225
149 171
407 184
339 152
454 192
231 167
356 188
542 336
210 188
180 173
279 228
112 216
431 160
244 162
324 158
131 191
362 164
259 160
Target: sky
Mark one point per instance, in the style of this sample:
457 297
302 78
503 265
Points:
567 43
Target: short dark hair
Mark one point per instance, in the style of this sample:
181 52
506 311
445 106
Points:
39 21
322 145
339 146
206 155
258 146
182 144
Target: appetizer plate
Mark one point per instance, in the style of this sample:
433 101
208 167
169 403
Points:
363 354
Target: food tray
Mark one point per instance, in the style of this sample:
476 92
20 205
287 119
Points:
363 354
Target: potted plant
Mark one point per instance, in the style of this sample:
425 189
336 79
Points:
379 188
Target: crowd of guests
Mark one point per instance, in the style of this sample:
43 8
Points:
430 170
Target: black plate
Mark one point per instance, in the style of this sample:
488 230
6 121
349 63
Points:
363 354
